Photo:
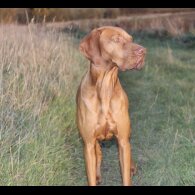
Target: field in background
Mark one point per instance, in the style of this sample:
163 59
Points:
40 70
161 24
38 15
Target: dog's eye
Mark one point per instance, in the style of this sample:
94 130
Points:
117 39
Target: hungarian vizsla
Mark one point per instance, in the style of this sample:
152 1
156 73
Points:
102 104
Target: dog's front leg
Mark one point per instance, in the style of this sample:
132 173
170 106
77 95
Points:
125 160
90 160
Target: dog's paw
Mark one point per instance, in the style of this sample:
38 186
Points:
133 168
98 180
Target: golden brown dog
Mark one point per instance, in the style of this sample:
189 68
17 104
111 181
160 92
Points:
102 104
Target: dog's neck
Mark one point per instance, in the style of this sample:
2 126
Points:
104 79
103 75
98 73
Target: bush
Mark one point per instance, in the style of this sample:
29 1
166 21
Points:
8 15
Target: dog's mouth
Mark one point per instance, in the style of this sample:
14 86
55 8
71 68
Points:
140 60
139 64
136 66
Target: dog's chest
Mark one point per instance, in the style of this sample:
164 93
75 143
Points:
103 111
106 125
106 113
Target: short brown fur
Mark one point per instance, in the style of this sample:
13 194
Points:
102 104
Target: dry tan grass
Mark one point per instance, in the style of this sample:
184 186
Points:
36 65
39 73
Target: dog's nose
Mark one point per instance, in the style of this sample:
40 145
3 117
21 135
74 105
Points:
140 51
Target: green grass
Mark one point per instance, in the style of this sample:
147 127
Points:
39 141
163 114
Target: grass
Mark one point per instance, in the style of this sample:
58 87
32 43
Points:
39 74
40 71
162 110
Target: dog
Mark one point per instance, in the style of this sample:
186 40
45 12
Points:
102 104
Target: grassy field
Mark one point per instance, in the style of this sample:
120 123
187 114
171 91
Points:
39 143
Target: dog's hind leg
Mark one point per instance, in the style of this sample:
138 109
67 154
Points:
98 162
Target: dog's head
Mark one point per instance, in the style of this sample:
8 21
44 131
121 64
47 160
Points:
113 44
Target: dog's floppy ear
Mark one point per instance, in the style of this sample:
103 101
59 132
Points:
90 47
